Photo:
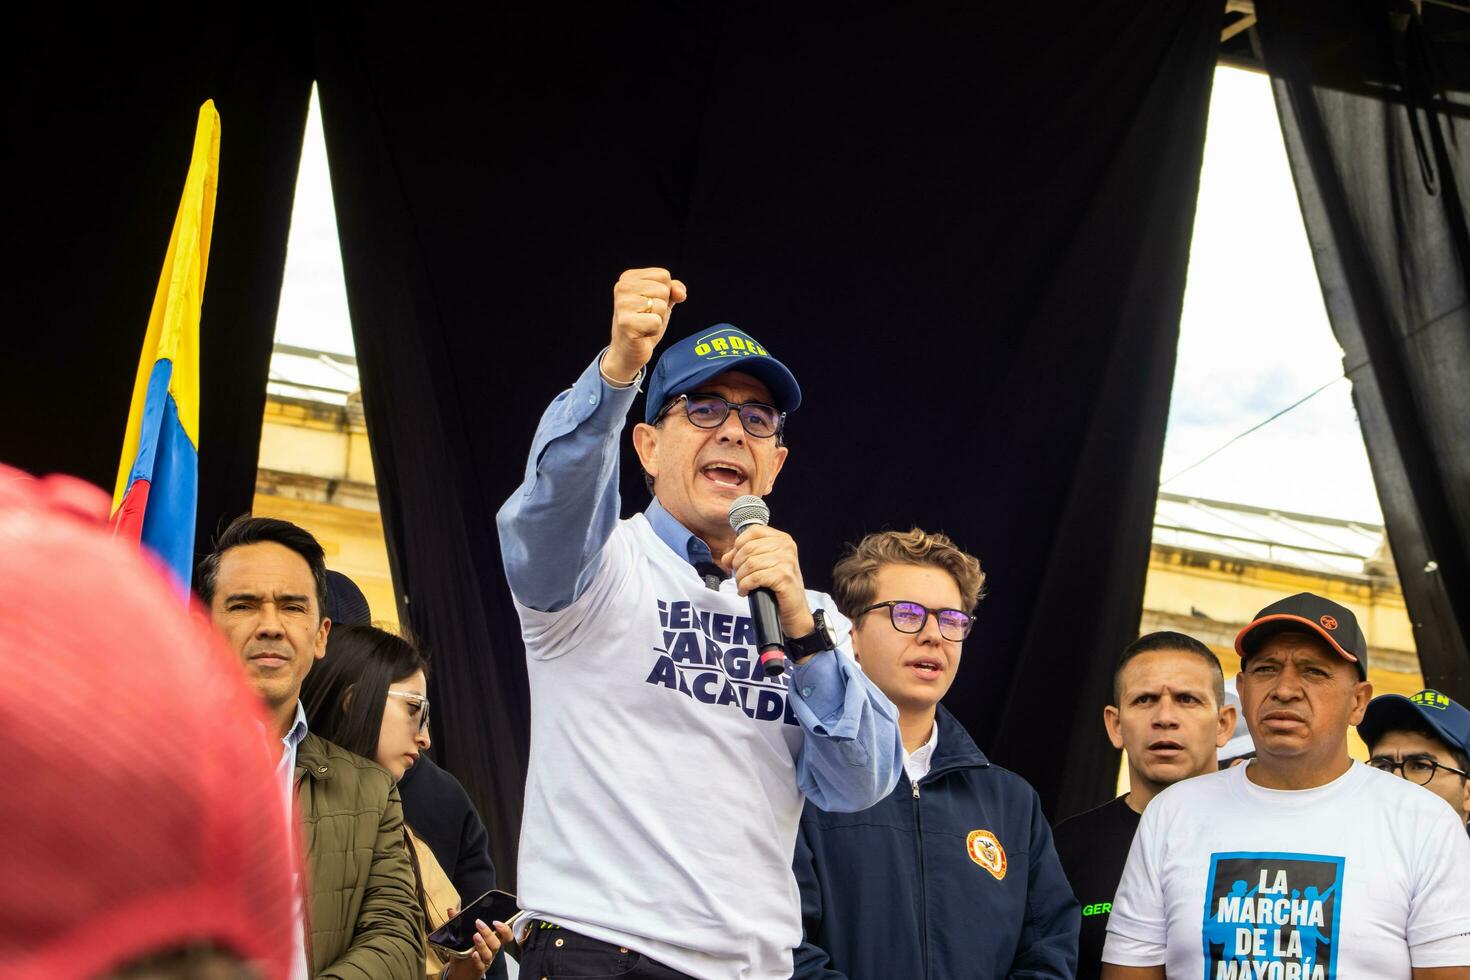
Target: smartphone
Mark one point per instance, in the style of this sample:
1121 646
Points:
458 934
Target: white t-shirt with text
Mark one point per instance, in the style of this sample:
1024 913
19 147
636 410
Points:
662 802
1360 878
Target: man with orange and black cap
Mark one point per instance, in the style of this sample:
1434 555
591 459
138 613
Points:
1426 739
1303 862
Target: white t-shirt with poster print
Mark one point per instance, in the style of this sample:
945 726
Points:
1363 877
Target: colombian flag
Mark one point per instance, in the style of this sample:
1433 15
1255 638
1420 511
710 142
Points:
158 479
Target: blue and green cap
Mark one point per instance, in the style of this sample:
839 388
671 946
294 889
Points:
694 360
1394 712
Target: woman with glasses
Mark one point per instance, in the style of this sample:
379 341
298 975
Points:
369 695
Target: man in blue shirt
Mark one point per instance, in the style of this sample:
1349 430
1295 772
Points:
667 771
954 874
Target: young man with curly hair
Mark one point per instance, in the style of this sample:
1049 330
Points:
953 874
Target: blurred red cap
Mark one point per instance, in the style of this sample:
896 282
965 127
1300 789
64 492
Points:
141 810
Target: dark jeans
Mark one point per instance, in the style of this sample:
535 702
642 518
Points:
559 954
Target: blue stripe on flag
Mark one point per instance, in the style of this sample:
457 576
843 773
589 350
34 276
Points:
153 414
173 498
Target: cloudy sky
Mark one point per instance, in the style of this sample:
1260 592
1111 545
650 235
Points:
1254 336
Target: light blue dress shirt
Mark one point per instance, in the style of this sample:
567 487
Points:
552 532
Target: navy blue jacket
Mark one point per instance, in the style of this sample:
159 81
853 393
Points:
955 879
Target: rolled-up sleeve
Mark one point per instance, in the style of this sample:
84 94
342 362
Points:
554 526
851 750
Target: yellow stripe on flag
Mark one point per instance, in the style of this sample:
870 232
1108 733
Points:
173 323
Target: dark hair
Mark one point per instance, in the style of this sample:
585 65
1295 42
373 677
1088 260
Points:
1169 640
201 961
1416 726
246 529
362 661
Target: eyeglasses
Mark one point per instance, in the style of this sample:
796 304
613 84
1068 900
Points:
910 617
418 707
710 411
1416 768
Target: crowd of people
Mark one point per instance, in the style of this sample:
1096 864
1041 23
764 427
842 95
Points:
688 812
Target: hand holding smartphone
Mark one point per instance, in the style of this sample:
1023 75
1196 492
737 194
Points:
457 936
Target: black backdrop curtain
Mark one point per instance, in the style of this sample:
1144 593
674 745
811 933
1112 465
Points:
99 116
1375 109
966 230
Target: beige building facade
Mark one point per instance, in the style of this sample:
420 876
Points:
1214 565
316 469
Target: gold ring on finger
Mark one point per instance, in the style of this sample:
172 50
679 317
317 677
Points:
648 305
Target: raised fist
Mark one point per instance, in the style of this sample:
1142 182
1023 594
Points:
643 301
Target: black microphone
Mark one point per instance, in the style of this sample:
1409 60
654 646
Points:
765 614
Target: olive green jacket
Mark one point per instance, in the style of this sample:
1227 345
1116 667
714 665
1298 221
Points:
363 919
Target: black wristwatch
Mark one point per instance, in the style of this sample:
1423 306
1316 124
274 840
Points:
822 637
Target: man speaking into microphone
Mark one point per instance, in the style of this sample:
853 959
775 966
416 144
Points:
667 770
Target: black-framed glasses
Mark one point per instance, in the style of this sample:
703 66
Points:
709 411
418 707
910 617
1416 768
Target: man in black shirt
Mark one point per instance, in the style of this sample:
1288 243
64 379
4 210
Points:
1169 714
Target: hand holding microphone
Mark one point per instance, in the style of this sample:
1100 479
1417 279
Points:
766 567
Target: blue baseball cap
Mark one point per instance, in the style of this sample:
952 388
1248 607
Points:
346 605
692 361
1445 716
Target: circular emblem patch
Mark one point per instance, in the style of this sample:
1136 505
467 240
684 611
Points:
1328 623
986 851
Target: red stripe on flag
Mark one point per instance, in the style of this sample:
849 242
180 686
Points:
128 521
